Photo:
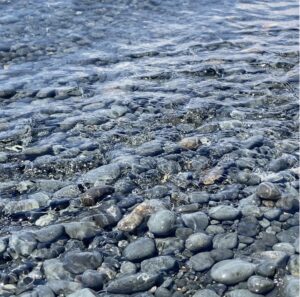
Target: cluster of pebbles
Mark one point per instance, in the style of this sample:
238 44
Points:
167 170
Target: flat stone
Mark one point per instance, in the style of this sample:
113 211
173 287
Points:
289 235
259 284
197 221
221 254
140 249
198 197
50 233
248 226
272 214
201 262
54 270
230 272
223 213
130 284
162 222
96 194
159 264
198 241
277 258
284 247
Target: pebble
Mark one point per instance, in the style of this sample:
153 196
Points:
289 235
225 241
268 191
140 249
242 293
266 269
191 143
128 268
159 264
54 270
223 213
198 241
81 230
221 254
277 258
64 287
92 279
284 247
197 221
213 176
291 286
162 222
293 265
133 283
272 214
230 272
205 293
201 262
248 226
198 197
132 220
259 284
78 262
82 293
22 243
49 234
95 194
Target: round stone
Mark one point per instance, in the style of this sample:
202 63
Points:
205 293
197 242
269 191
162 222
140 249
202 261
225 241
223 213
259 284
92 279
230 272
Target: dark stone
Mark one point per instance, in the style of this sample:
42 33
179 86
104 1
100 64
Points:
95 194
140 249
248 226
159 264
93 279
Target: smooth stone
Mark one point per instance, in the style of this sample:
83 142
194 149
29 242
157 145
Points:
77 262
273 214
169 245
198 241
39 291
215 229
81 230
248 226
107 216
95 194
82 293
133 283
293 265
101 175
54 270
259 284
198 197
291 286
140 249
277 258
92 279
230 272
132 220
284 247
70 191
162 222
191 143
162 292
63 287
284 162
205 293
150 149
159 264
242 293
223 213
225 241
23 243
289 235
197 221
266 269
268 191
128 268
221 254
201 262
296 244
183 232
50 233
22 205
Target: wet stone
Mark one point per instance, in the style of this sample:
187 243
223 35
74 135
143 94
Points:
92 279
201 262
159 264
248 226
266 269
226 241
231 272
268 191
221 254
140 249
259 284
223 213
205 293
130 284
78 262
197 221
199 197
162 222
277 258
198 241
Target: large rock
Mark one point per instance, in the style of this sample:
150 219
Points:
230 272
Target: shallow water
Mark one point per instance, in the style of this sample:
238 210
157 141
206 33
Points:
88 82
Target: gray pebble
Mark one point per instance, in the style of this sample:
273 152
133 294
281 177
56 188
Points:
140 249
162 222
